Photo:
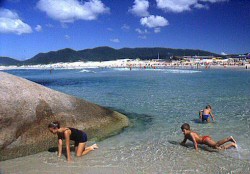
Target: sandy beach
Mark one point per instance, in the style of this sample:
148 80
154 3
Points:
131 63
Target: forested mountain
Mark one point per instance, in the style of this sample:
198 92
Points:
8 61
108 53
64 55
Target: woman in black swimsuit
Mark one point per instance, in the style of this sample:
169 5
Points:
68 134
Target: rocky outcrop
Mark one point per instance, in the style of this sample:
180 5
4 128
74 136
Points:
26 109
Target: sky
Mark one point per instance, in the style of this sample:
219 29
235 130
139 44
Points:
29 27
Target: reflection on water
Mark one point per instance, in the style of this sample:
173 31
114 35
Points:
157 102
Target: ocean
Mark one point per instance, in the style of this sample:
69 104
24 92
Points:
157 102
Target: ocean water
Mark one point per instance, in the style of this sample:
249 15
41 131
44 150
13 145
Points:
158 102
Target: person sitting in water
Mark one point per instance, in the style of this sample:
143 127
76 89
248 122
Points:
207 140
206 113
68 134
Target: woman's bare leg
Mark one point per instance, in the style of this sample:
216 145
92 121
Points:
83 150
90 148
94 146
80 149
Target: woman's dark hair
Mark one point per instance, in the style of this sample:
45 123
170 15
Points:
185 126
54 124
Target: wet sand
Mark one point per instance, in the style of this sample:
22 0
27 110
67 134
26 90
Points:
165 157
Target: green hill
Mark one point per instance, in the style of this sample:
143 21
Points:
5 61
108 53
101 54
64 55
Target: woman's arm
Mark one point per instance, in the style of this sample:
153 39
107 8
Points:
59 147
67 138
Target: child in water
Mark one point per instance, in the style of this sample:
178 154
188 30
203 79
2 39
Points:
68 134
207 140
206 113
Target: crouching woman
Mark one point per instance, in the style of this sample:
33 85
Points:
68 133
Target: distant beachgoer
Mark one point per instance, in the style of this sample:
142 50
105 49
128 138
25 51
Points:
206 113
207 140
68 134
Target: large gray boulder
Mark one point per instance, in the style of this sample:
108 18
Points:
26 109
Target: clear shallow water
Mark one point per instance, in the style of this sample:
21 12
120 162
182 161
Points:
157 102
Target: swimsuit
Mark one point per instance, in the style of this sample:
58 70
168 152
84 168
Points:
76 135
205 117
204 138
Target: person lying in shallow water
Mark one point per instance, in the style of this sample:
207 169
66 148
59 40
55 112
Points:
207 140
68 134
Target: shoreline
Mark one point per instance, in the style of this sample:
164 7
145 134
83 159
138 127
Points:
127 63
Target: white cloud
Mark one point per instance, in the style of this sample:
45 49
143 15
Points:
49 25
142 37
67 37
140 8
138 30
38 28
115 40
71 10
64 25
200 6
179 6
11 23
154 21
157 30
175 5
125 27
213 1
110 29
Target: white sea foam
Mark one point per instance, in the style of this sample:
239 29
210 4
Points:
87 71
181 71
178 71
122 69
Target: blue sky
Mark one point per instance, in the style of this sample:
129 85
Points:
29 27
